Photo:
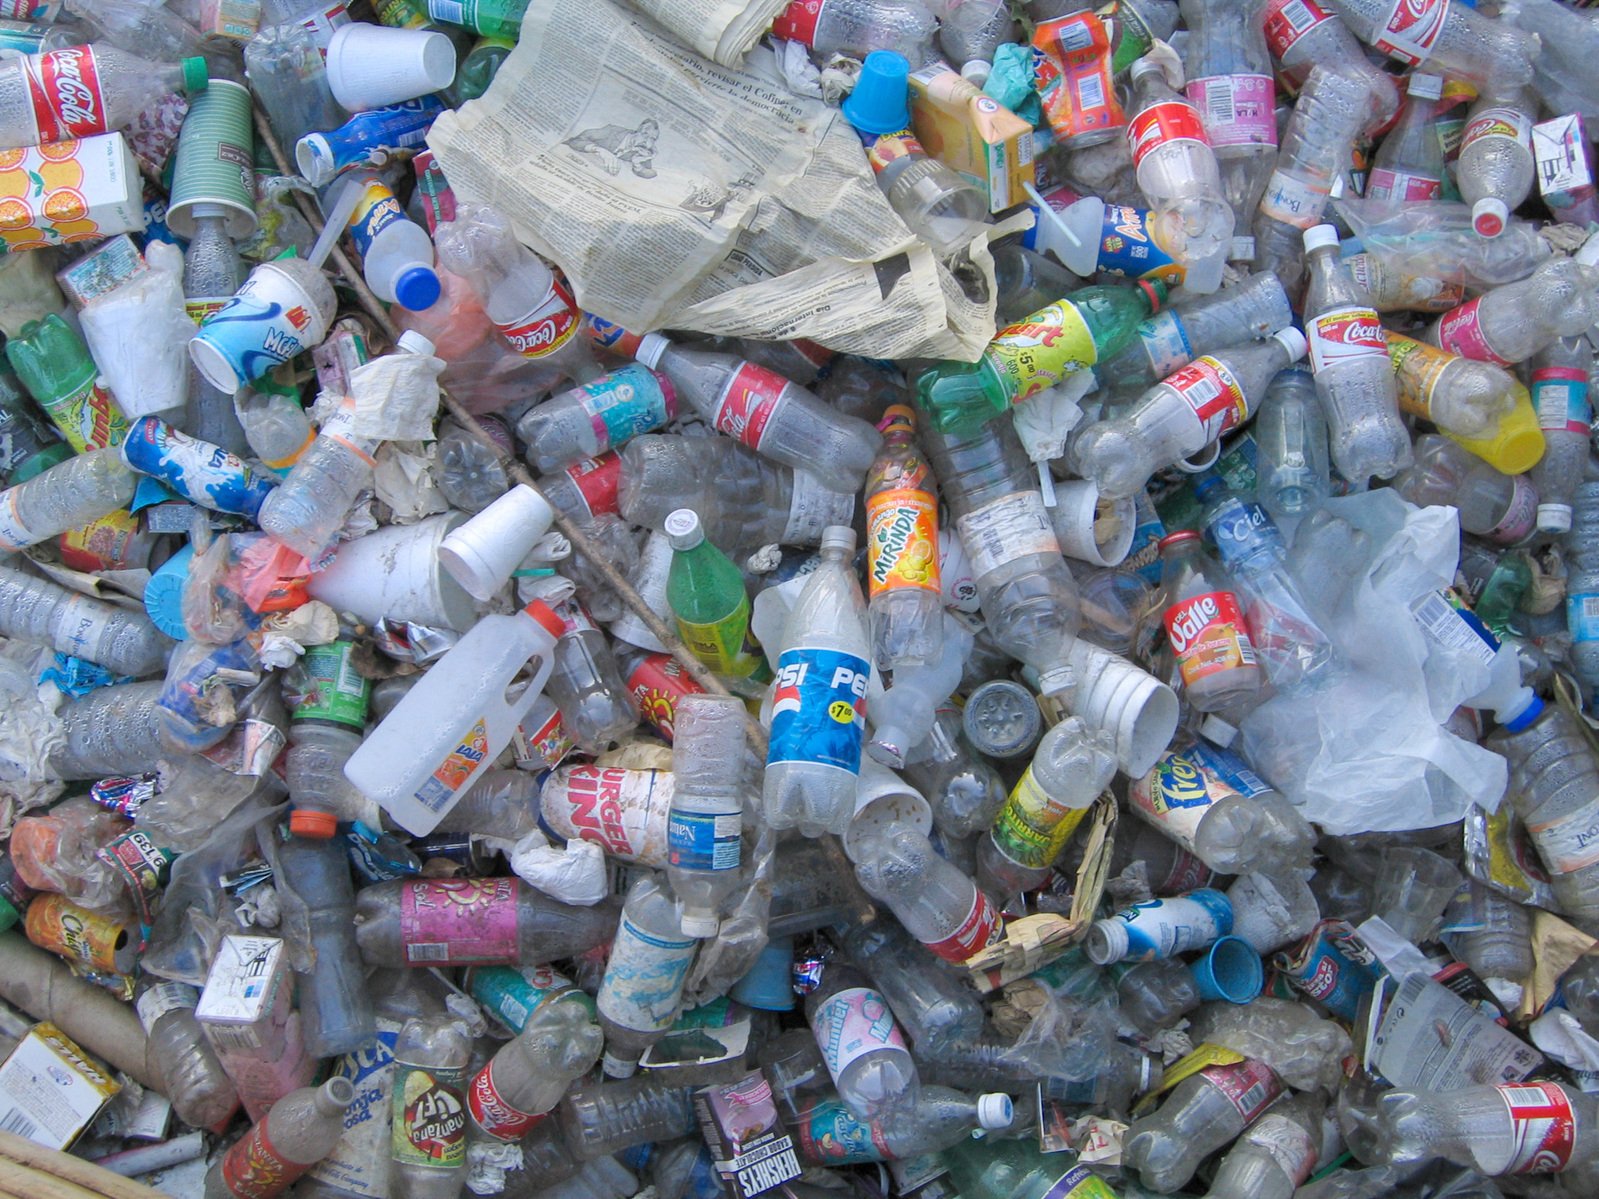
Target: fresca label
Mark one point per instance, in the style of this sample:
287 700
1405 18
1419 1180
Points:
1208 635
65 93
1041 350
819 709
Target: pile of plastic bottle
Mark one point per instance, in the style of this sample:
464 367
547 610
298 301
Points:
495 751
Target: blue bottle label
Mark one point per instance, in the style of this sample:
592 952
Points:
374 212
703 840
819 709
1127 246
373 137
1582 616
627 402
1163 928
828 1133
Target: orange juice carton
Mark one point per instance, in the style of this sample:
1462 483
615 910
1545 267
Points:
972 133
66 192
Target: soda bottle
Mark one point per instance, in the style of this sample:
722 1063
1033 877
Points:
1275 1154
933 1006
1178 417
1091 324
1229 80
306 512
642 989
1177 169
1072 765
1410 162
1499 946
1464 398
1454 39
1155 994
818 706
529 1074
710 606
491 18
1397 289
586 683
1205 626
1349 360
42 611
970 32
905 602
601 1117
903 715
276 428
828 1135
1560 396
1495 168
68 495
78 91
1513 322
329 702
935 902
1291 478
707 820
334 1008
1507 1129
53 363
428 1115
861 1044
1303 35
767 412
300 1130
858 27
597 416
1204 1113
1502 508
178 1052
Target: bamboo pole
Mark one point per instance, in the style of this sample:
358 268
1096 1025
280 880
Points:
35 1172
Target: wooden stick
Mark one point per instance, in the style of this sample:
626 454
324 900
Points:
55 1176
96 1179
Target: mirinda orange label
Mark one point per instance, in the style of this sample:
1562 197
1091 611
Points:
902 541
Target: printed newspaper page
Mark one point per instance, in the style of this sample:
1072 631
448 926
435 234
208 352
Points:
722 30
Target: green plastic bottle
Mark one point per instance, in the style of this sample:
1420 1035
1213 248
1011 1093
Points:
1072 334
55 366
1015 1169
711 606
491 18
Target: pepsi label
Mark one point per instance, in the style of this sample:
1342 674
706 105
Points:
819 708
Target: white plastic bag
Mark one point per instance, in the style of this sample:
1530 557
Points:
139 336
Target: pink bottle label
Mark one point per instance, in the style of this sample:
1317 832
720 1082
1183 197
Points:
1521 517
459 921
1250 1086
1460 332
1402 185
852 1024
1289 20
1238 110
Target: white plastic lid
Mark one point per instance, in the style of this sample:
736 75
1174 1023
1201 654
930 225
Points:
1488 216
413 342
1428 87
1293 340
1318 236
977 71
1554 518
683 529
838 537
995 1110
650 348
314 157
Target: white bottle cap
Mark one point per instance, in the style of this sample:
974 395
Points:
683 529
1292 340
839 537
650 348
1318 236
413 342
977 71
1488 216
1554 518
995 1110
1427 87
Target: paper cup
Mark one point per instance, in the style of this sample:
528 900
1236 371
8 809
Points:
370 66
1134 706
268 321
882 799
1230 971
1077 506
214 170
482 553
395 573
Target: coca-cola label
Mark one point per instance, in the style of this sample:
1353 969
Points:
749 402
596 480
1343 335
1209 387
64 89
1543 1128
1411 29
1289 20
981 928
1460 332
547 328
492 1113
1208 635
1161 124
1250 1086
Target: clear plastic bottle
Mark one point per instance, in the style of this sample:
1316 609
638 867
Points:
1464 398
1177 169
597 416
938 905
39 610
1499 945
903 716
275 425
334 1008
1495 169
857 27
1178 417
66 496
1276 1153
429 1117
1398 289
212 271
861 1044
307 511
930 1002
642 990
1409 166
1453 39
1072 765
112 730
1291 447
971 31
301 1129
1156 994
902 577
313 768
1229 80
289 78
469 474
178 1053
1028 596
1513 322
1205 626
963 789
603 1117
1559 387
1349 359
767 412
1015 1168
528 1075
1303 35
705 832
711 606
79 91
1512 1128
586 683
1502 508
1203 1113
829 1135
814 754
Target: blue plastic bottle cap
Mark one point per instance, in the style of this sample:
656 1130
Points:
878 103
1526 716
163 595
417 288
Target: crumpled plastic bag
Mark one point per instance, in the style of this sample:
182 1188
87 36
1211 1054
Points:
575 875
397 396
139 334
1307 1051
403 480
1368 751
29 734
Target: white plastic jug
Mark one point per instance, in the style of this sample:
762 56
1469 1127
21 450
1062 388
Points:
453 724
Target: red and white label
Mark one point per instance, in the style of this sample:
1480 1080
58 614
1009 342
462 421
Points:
1208 635
1460 332
1161 124
1250 1086
547 328
1289 20
981 928
1214 394
597 480
1342 335
1237 110
254 1169
493 1114
797 22
1411 29
1402 185
1543 1127
747 406
64 88
1498 121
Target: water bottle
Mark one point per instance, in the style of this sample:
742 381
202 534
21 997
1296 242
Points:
1513 322
858 27
1204 1113
42 611
1506 1129
586 683
1498 943
1155 994
828 1135
1349 360
329 703
1291 478
1502 508
1303 35
469 473
1559 387
936 903
767 412
642 989
76 92
1177 169
178 1053
1495 169
597 416
707 821
275 425
598 1118
1187 411
1229 80
335 1010
529 1074
396 252
861 1044
301 1129
306 512
427 1153
710 606
1409 165
818 715
112 730
1276 1153
54 364
66 496
905 602
932 1005
903 716
1205 626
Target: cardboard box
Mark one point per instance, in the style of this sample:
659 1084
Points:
1565 172
49 1090
245 1004
69 192
973 134
107 266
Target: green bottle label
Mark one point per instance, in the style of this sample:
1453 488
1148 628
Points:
334 692
726 646
1031 829
1041 350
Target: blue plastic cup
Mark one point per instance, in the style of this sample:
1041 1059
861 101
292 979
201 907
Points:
1230 970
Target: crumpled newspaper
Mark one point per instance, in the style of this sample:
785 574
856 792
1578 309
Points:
397 396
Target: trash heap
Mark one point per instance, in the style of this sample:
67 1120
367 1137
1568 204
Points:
876 597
